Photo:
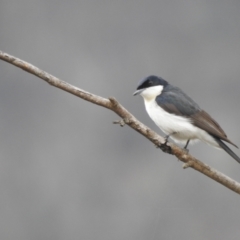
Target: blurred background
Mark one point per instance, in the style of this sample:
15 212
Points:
66 172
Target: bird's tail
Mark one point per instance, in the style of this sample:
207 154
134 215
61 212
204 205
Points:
227 149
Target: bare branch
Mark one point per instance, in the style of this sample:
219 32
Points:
128 119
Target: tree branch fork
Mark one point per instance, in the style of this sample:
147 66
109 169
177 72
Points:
127 119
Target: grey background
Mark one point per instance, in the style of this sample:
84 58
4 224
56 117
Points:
66 172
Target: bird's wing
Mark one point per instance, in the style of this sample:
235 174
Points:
177 102
204 121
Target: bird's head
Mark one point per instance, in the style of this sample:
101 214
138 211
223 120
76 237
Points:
150 87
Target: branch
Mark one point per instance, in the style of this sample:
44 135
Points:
126 118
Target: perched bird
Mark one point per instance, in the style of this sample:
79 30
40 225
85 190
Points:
178 116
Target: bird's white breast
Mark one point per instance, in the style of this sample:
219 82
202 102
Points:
181 126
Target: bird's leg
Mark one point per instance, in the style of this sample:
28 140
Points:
167 137
185 147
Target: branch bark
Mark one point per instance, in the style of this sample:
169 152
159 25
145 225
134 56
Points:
127 118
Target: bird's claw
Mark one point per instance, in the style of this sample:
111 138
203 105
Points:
185 150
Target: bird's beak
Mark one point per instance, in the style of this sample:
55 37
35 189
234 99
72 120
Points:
138 92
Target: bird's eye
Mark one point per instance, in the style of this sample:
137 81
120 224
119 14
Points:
150 82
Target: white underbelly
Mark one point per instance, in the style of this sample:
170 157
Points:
181 128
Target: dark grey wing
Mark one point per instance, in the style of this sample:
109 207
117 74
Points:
175 101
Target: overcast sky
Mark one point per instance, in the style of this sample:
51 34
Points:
66 172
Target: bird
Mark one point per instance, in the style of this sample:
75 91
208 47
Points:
179 117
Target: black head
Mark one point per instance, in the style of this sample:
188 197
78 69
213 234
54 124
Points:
152 81
148 82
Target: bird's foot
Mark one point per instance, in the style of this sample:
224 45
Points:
185 147
185 150
167 137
